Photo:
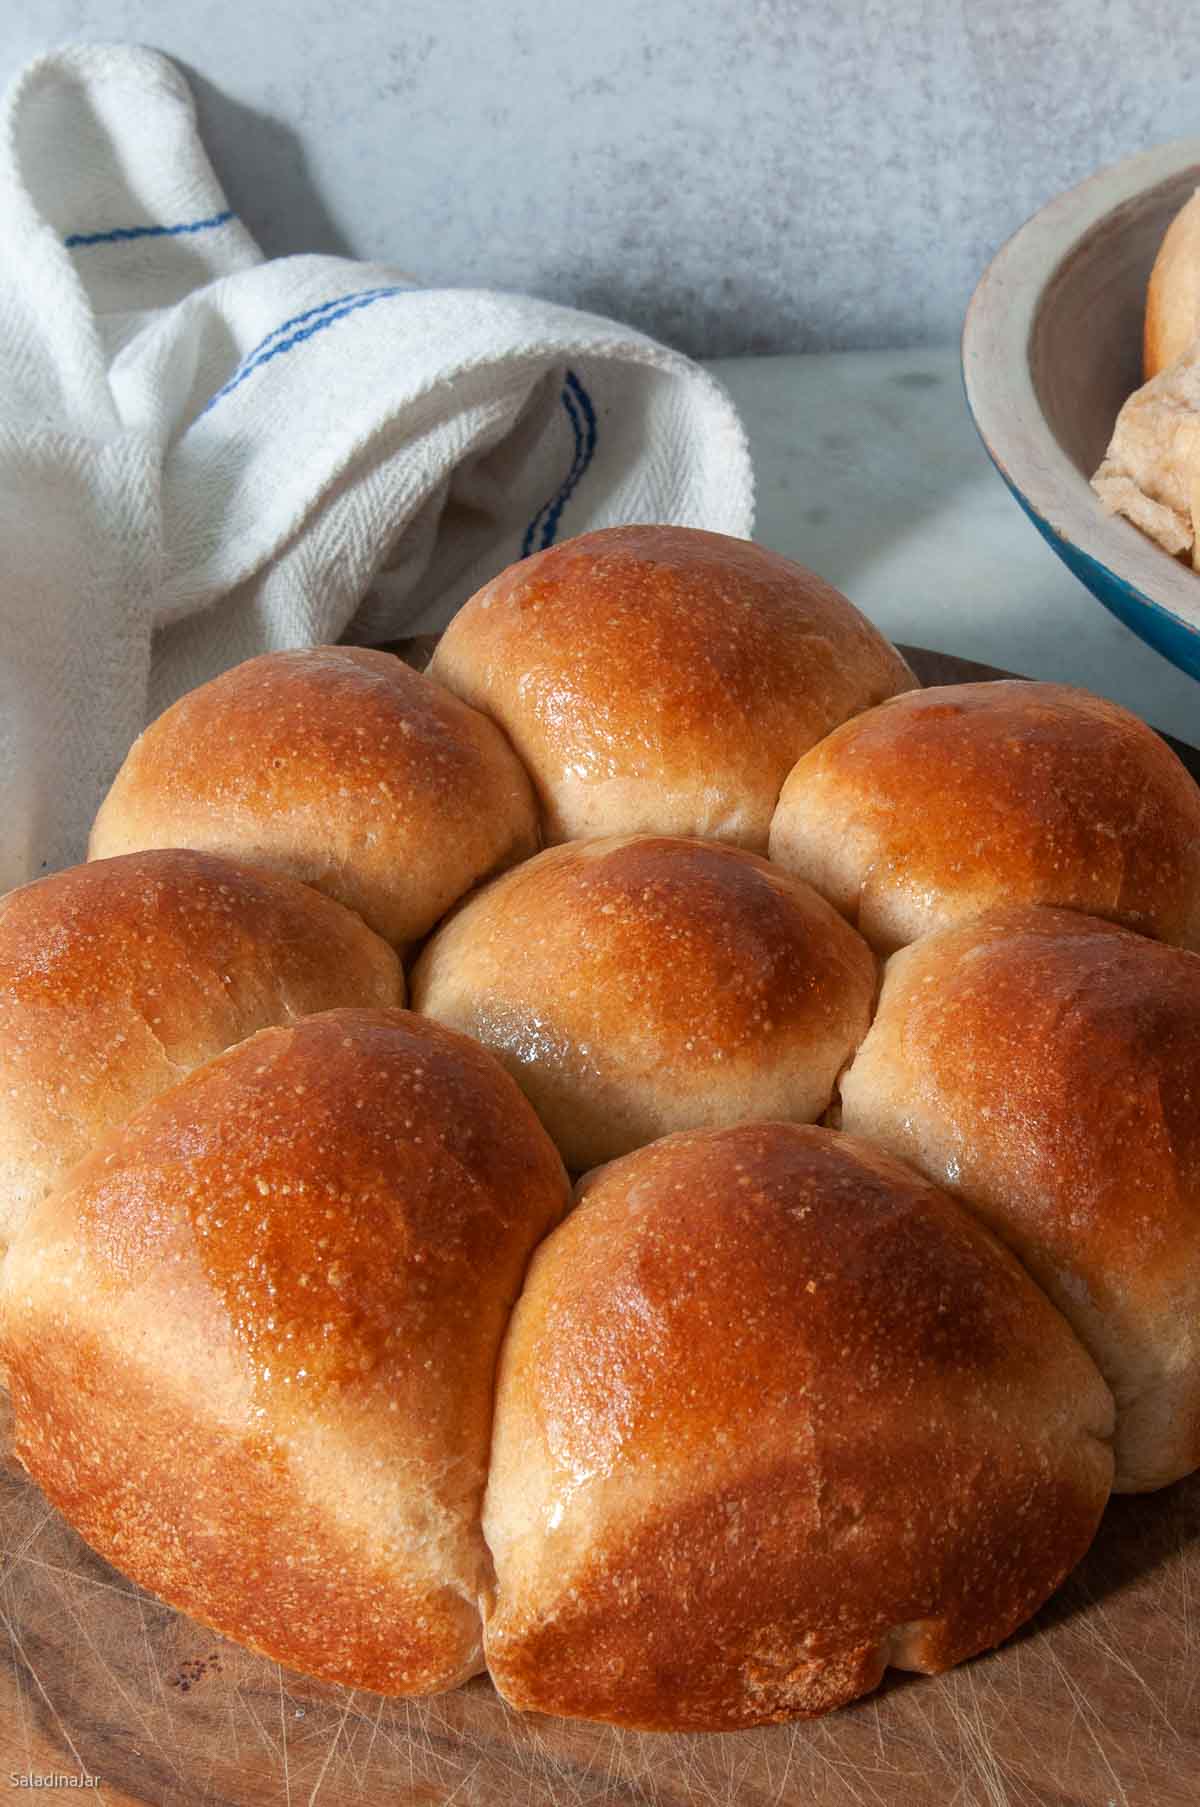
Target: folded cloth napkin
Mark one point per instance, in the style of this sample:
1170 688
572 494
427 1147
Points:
204 455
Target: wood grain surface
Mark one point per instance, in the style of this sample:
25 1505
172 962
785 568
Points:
1095 1704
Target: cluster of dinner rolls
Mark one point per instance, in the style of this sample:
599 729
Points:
867 1019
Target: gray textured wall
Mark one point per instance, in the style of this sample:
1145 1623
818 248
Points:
732 175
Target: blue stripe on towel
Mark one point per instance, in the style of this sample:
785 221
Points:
317 318
582 415
310 313
544 510
120 234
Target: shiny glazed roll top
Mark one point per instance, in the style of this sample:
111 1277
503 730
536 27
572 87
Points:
251 1340
943 803
118 977
644 984
773 1413
662 680
339 766
1045 1066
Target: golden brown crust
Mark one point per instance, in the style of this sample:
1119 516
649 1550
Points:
347 1613
339 766
1172 320
1046 1067
296 1267
663 680
639 985
944 802
771 1413
118 977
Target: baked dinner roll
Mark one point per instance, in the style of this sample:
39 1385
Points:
1172 322
640 985
663 680
118 977
339 766
944 802
251 1340
773 1413
1046 1067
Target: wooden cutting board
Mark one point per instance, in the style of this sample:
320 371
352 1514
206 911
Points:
1095 1704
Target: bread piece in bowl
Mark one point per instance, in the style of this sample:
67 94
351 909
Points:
944 802
662 680
1045 1066
1172 321
1151 469
339 766
118 977
638 985
251 1340
772 1414
1150 472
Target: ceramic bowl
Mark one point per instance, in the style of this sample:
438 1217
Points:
1052 346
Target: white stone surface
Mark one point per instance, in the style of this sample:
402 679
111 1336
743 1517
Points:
733 175
870 472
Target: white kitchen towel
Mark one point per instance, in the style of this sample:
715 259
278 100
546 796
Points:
205 455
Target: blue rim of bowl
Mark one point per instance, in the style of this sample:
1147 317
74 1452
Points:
1157 626
1003 405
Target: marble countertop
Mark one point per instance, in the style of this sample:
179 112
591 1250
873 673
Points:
870 472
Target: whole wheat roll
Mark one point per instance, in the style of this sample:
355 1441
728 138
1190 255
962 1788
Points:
118 977
1045 1066
663 680
1172 319
251 1340
945 802
642 984
339 766
772 1413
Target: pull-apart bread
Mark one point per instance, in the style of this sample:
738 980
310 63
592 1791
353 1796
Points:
118 977
772 1414
660 680
943 802
251 1340
644 984
339 766
1045 1067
